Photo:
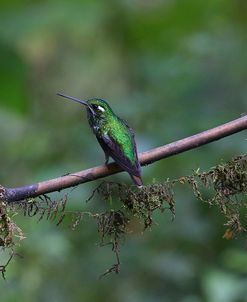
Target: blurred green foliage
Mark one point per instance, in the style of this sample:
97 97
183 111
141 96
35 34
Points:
171 68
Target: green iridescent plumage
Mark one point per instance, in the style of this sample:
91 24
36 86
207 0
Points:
114 135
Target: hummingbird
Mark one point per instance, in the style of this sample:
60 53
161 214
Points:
113 134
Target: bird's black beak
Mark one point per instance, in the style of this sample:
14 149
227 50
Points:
76 100
73 99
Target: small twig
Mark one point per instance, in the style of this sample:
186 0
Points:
3 267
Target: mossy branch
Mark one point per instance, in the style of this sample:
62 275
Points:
224 186
9 195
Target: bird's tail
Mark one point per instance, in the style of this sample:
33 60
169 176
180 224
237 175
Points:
137 180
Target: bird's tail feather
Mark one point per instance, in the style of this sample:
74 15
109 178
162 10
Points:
137 180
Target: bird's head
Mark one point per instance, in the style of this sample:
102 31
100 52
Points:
99 107
95 107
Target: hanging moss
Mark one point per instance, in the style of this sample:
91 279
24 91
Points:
224 186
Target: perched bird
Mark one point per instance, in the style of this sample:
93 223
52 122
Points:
114 136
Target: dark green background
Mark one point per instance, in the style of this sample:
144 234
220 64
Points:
172 69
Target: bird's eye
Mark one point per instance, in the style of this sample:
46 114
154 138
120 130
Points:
98 108
95 106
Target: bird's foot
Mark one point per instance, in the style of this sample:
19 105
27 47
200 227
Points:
106 160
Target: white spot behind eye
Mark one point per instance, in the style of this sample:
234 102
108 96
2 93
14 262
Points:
101 108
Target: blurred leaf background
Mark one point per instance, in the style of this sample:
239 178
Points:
172 69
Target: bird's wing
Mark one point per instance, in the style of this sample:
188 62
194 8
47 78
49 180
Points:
122 150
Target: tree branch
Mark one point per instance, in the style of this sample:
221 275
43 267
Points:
17 194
